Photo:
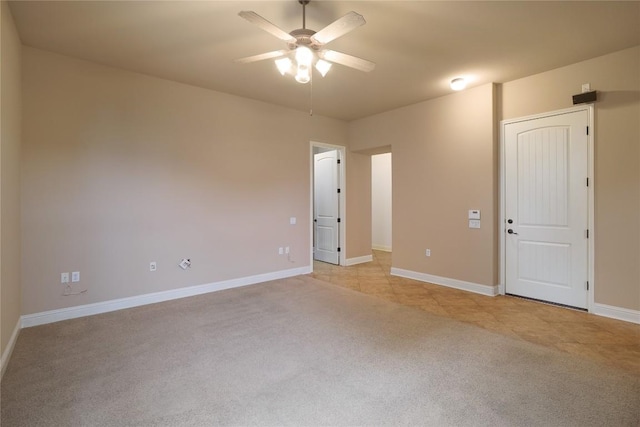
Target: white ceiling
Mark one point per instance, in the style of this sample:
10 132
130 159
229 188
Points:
418 46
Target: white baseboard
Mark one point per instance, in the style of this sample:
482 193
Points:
618 313
358 260
6 354
381 248
122 303
445 281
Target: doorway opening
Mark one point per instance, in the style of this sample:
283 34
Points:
381 202
328 203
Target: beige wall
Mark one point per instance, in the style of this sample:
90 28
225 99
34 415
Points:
444 163
358 201
616 77
10 123
121 169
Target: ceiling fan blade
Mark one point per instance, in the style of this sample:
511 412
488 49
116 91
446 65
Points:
347 60
338 28
262 56
267 26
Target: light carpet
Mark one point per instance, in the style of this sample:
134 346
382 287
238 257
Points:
299 352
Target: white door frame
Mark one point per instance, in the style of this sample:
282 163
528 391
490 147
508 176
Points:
590 191
342 226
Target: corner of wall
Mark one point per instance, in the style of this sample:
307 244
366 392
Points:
10 153
497 117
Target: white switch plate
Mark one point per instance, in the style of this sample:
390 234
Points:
586 87
427 252
286 250
474 223
280 251
153 266
64 278
293 220
474 214
75 276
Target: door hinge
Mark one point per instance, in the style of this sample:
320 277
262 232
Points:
587 181
587 233
338 190
587 130
587 285
338 161
338 249
338 219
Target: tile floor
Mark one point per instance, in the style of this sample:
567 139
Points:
598 338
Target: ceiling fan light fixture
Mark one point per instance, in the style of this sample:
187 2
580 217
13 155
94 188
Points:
458 83
304 74
323 67
304 56
284 65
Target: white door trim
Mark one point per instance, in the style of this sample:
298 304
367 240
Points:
342 226
590 190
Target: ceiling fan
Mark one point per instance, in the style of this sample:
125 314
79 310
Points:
305 47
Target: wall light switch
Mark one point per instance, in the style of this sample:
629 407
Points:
153 266
75 276
293 220
474 223
64 278
474 214
280 251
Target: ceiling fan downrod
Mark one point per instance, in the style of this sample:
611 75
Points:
304 3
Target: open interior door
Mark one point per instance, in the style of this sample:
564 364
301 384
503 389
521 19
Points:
326 207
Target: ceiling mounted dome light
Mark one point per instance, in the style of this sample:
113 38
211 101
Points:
458 83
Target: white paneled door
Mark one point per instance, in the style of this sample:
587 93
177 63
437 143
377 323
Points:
326 207
546 208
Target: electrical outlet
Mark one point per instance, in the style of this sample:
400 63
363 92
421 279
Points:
427 252
64 278
75 276
153 266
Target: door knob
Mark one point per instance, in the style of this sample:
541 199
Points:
510 231
510 221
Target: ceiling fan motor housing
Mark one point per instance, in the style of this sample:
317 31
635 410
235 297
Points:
303 38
